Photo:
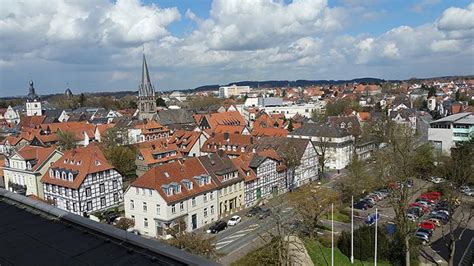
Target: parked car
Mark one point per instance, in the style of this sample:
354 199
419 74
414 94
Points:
417 211
437 180
217 227
427 225
469 192
423 237
426 231
369 201
412 217
254 211
435 221
234 220
133 231
361 205
264 212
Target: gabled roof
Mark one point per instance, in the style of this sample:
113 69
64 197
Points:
218 164
184 139
178 116
225 139
281 146
235 129
158 147
82 161
176 172
225 118
36 155
243 165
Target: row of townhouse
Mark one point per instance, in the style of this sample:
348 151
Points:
80 181
201 190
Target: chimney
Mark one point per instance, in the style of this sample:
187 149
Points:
226 136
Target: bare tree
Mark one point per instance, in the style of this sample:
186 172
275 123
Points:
357 181
458 169
292 161
397 164
310 204
66 140
322 150
195 243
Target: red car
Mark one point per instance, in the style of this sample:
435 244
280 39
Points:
427 225
431 195
425 198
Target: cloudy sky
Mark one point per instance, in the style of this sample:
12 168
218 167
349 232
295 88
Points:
96 45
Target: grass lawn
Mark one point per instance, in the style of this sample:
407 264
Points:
321 255
340 217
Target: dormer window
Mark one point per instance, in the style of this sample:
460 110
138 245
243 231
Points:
51 173
63 175
343 125
78 162
167 175
65 161
349 125
169 191
242 149
71 177
97 162
57 174
201 182
178 188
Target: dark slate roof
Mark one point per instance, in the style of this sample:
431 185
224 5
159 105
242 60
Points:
179 116
52 115
404 113
401 99
319 130
31 93
35 233
343 122
218 164
281 145
256 160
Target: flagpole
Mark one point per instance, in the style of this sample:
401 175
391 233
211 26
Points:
352 229
376 222
332 234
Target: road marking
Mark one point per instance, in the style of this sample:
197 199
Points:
231 238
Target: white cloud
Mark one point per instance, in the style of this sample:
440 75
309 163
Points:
458 22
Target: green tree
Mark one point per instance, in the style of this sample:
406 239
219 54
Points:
457 95
82 100
122 158
290 126
160 102
66 140
356 182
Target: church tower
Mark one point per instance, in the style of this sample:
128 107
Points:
146 95
33 102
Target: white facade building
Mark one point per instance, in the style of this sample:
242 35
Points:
83 182
169 194
233 90
12 115
24 169
444 133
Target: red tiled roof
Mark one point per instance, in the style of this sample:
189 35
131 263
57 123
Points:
159 147
83 160
175 172
41 154
225 118
237 129
242 164
269 132
184 139
237 140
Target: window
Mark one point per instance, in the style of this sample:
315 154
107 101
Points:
114 184
173 209
89 205
66 192
211 195
102 188
150 192
132 205
74 207
205 197
68 207
48 188
144 207
181 206
194 202
60 191
102 201
136 190
71 177
51 173
133 218
57 174
88 192
116 198
145 222
205 212
64 175
212 209
74 194
158 209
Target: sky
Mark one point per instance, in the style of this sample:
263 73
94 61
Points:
97 45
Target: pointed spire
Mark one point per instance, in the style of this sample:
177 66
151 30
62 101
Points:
145 74
146 88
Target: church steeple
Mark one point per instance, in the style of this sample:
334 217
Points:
146 94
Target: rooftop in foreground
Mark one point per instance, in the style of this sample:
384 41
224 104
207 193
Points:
35 233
